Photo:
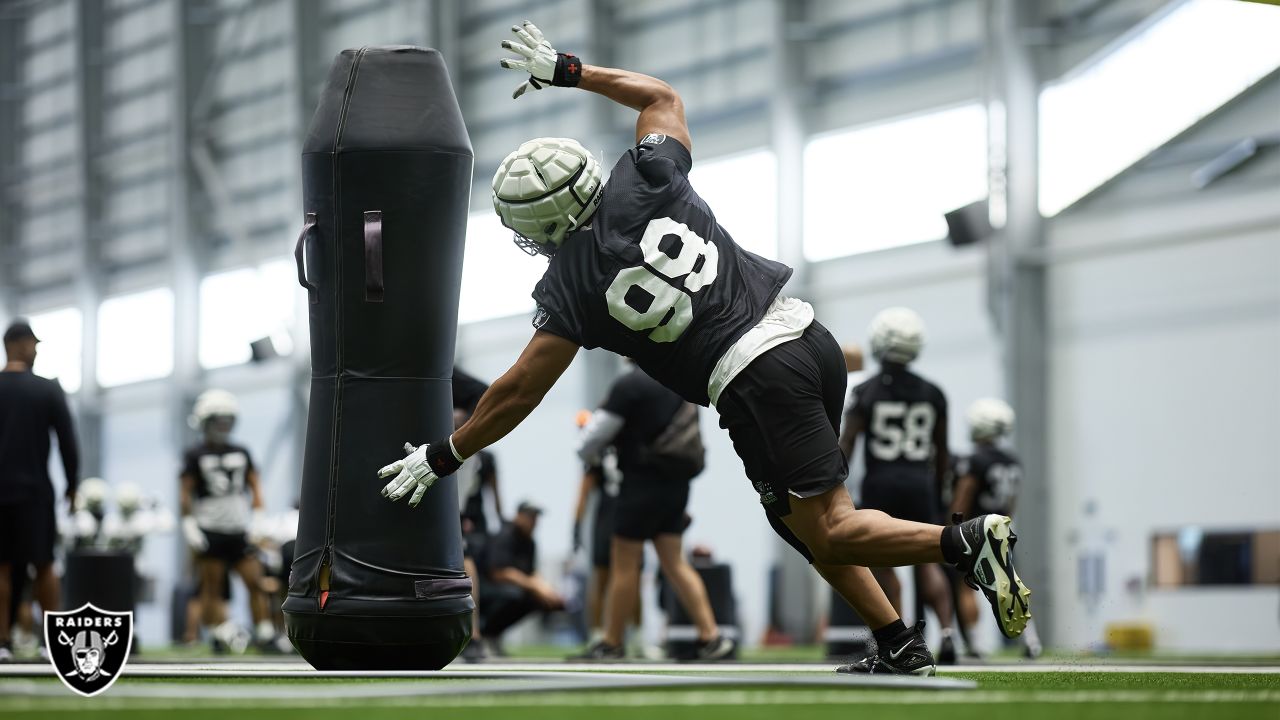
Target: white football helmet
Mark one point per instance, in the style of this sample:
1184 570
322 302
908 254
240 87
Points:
544 189
990 419
91 495
897 335
218 406
128 497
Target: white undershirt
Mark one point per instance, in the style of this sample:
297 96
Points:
785 320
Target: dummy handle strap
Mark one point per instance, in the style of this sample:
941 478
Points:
299 257
373 285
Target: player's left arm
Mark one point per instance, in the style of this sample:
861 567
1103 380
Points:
660 107
489 477
962 498
502 407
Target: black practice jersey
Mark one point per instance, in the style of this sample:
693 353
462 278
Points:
654 277
899 411
646 409
221 483
999 476
473 508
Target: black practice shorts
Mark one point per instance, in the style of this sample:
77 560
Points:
783 415
602 531
28 531
906 496
230 548
648 507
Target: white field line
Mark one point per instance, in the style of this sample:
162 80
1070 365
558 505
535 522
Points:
299 669
683 698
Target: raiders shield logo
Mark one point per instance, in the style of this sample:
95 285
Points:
88 647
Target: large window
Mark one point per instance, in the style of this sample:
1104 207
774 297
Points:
135 337
1159 82
742 191
497 278
58 356
241 306
890 184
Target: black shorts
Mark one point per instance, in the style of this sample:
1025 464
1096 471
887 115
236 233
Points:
783 415
230 548
602 531
906 496
28 531
648 507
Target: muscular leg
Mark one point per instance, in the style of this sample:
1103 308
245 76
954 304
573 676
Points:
889 583
967 607
212 575
688 585
469 567
596 590
250 571
624 584
838 534
859 588
932 585
48 590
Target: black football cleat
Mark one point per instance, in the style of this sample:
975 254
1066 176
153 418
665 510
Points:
905 655
715 649
987 564
601 652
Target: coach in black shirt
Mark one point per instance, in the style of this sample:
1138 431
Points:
515 588
29 407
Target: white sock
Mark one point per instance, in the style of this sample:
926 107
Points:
266 630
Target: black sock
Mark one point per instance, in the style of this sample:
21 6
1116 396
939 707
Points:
889 632
951 551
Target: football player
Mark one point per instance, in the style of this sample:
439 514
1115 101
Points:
219 483
987 482
640 267
904 418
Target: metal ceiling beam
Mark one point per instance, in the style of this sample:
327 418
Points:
90 274
1017 285
11 59
797 583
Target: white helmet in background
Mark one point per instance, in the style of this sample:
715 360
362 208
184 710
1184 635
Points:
544 189
897 335
990 419
214 414
91 495
128 497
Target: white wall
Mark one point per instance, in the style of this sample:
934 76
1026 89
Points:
1164 407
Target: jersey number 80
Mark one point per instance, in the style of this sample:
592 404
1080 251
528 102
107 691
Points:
658 295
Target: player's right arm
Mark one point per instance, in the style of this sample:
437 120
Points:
506 404
660 107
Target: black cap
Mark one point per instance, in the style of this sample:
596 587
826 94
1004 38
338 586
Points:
527 506
19 329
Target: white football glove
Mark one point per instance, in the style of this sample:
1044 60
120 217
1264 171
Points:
544 64
195 537
411 473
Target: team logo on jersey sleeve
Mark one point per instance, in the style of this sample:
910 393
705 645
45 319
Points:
653 139
540 317
88 646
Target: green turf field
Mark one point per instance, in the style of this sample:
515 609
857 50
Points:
1035 695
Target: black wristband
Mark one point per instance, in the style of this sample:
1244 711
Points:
441 458
568 70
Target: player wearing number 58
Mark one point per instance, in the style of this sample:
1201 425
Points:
639 266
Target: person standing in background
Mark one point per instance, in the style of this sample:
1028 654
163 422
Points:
904 418
30 406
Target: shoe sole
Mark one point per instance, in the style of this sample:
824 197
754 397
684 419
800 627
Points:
924 671
1010 599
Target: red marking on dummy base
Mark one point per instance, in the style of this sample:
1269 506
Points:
323 597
